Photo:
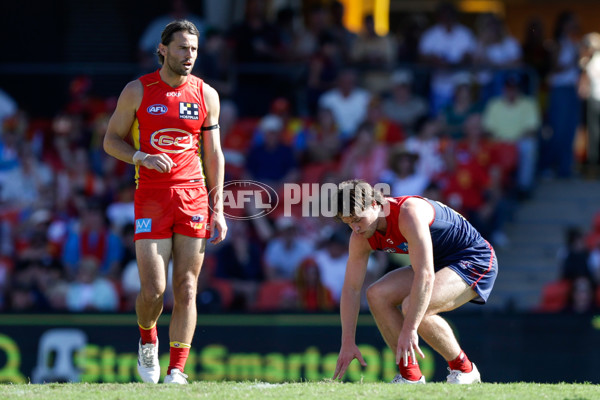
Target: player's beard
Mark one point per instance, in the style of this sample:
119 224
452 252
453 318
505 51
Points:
177 67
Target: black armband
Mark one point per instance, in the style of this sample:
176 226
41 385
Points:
210 128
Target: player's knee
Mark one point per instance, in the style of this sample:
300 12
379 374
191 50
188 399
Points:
185 293
152 294
375 294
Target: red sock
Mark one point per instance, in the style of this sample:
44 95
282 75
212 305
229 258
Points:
412 372
178 355
461 363
148 334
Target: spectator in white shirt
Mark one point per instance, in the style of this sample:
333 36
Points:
589 89
443 46
348 103
496 50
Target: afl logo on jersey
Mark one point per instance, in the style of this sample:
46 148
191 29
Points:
171 140
157 109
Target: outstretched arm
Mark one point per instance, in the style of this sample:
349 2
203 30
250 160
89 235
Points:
356 269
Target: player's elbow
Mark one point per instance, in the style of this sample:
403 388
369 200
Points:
106 143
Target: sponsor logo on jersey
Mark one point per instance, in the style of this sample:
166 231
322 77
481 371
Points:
173 94
189 110
143 225
171 140
389 250
390 241
157 109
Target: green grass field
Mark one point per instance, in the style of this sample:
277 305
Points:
304 391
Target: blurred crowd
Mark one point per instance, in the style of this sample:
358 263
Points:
465 115
577 287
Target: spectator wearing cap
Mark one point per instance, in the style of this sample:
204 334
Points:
403 106
515 118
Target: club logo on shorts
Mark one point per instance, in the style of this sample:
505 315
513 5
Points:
157 109
464 264
189 111
143 225
197 222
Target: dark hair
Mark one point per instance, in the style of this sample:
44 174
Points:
356 195
561 22
179 25
446 7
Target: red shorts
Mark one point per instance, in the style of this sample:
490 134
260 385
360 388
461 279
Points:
161 212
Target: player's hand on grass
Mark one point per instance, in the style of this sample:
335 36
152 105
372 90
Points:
218 227
160 162
408 344
347 354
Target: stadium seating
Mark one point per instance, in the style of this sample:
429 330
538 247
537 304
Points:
555 296
275 295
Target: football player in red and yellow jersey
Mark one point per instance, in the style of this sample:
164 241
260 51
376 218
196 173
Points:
172 117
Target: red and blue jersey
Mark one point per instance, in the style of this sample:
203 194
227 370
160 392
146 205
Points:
450 233
456 245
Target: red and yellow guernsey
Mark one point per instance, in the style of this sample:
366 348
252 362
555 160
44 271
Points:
169 121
